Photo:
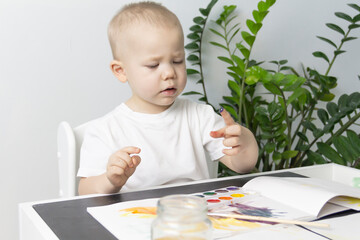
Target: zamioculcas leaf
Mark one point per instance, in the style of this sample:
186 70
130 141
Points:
257 16
276 156
353 26
323 116
332 108
192 57
272 108
262 6
354 6
318 133
328 41
348 39
289 154
356 18
272 88
190 71
344 16
231 100
253 27
248 38
250 80
204 99
240 63
199 20
343 147
309 125
327 97
338 52
335 28
296 94
219 45
269 3
354 140
321 55
196 28
217 33
315 157
204 12
330 153
234 87
193 36
192 45
245 52
236 70
282 62
227 60
343 101
302 136
270 147
354 100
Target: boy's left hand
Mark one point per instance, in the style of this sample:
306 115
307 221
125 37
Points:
231 134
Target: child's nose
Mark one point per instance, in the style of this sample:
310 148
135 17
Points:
168 72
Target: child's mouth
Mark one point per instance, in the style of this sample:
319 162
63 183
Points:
169 91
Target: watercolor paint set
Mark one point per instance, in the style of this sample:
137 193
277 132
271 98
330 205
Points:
223 196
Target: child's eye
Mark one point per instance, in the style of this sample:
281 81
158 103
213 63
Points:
152 65
178 61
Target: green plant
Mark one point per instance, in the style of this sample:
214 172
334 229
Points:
283 121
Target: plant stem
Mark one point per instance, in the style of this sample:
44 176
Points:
343 128
200 65
335 55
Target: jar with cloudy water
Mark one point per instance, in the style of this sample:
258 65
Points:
181 217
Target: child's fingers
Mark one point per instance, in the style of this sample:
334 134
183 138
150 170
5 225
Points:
227 117
231 151
218 134
122 158
231 142
233 130
135 160
131 150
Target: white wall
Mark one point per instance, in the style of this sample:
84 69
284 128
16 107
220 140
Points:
54 59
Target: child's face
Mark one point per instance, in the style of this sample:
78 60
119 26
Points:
154 66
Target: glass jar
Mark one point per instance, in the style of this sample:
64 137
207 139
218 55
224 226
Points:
181 217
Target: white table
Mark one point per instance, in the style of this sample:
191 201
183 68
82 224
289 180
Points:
32 226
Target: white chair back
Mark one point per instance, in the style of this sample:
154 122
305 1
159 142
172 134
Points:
69 142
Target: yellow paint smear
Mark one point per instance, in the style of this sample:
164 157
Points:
140 212
231 224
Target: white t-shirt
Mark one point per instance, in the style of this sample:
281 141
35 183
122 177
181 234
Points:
172 143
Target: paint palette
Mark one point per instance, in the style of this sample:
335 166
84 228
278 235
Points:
222 197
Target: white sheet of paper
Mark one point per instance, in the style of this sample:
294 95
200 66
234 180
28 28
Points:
307 194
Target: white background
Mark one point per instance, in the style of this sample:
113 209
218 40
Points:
54 66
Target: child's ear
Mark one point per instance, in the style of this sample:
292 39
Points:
118 70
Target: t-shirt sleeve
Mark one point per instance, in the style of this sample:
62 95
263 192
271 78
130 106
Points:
94 153
211 121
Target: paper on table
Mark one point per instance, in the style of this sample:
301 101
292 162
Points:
132 220
129 227
307 194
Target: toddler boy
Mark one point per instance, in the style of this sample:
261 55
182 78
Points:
155 138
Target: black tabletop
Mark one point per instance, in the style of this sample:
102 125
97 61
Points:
70 219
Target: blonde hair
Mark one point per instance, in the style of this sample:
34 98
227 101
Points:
135 13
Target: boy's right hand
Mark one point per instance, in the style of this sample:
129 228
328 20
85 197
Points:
121 165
